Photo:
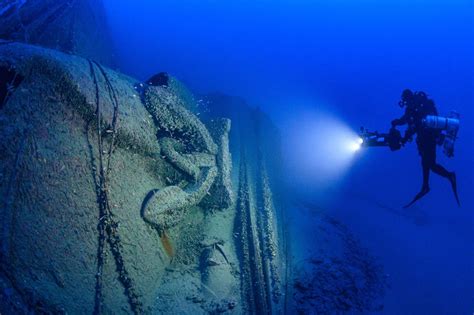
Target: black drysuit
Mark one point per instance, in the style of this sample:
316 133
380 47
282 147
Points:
426 138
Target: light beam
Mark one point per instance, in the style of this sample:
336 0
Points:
320 148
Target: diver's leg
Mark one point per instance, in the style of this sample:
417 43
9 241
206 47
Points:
451 176
435 167
425 164
452 179
440 170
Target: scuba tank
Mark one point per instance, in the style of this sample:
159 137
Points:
449 127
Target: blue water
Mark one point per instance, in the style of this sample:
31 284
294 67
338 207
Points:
345 62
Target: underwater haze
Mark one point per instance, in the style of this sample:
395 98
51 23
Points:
295 59
218 157
322 69
291 52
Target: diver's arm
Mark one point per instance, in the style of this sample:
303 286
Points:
399 121
408 135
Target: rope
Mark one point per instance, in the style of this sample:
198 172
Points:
107 225
113 98
102 208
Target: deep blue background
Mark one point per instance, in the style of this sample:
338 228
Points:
352 58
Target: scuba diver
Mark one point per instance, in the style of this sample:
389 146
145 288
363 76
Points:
419 108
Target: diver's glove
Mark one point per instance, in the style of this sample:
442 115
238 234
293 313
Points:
395 122
406 139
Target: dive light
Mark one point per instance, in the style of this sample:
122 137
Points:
448 127
392 139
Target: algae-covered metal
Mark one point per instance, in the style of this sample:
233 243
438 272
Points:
91 169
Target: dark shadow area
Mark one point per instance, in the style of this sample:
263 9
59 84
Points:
341 277
9 81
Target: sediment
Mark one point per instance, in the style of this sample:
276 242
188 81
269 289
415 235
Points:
113 197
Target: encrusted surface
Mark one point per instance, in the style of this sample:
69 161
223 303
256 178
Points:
72 26
167 171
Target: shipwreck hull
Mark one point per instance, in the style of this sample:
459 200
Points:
72 26
117 198
50 165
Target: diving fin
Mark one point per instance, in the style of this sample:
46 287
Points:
452 179
418 196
